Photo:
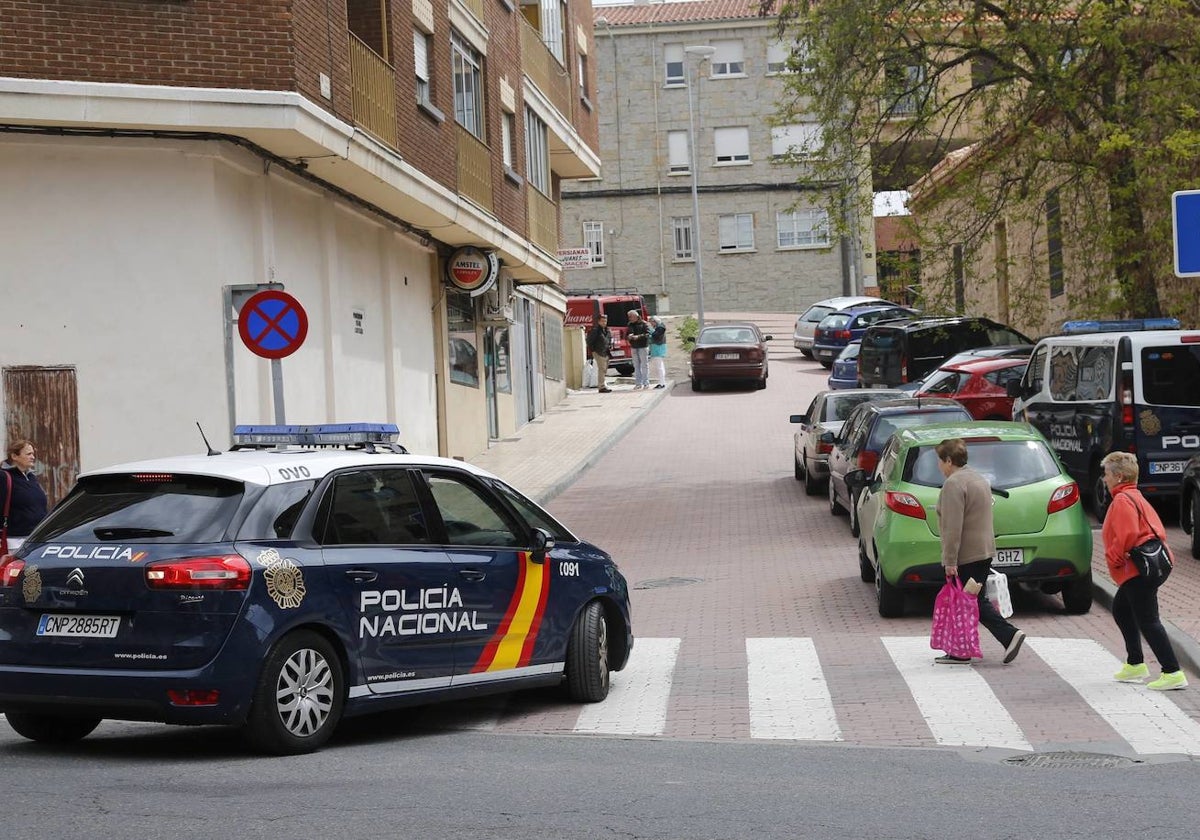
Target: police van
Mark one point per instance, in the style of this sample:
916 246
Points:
1125 385
308 574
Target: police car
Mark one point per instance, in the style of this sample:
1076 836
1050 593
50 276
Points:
1104 386
307 574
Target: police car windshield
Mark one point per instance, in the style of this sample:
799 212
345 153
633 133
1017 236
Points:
1004 463
159 508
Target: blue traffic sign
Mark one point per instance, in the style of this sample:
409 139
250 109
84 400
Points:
1185 221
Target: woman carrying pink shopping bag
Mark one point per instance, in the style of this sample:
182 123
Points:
964 511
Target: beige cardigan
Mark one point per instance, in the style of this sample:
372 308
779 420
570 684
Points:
964 511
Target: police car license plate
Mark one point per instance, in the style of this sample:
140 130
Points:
728 356
1166 467
79 626
1009 557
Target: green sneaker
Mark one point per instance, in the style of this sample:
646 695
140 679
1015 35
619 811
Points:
1132 673
1168 681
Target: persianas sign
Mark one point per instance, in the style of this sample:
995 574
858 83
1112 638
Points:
472 270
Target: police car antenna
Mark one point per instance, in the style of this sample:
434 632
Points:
211 451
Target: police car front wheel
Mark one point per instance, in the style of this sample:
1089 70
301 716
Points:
587 656
51 729
299 697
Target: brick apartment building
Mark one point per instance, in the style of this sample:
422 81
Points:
162 160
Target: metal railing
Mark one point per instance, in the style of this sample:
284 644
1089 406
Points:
544 70
474 168
373 91
543 219
476 7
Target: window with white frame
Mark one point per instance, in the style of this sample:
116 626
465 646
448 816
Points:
593 240
537 153
799 140
678 158
681 233
468 85
736 232
802 228
732 144
728 60
507 132
777 57
583 76
421 65
673 59
553 14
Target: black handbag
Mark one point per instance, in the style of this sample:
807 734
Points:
1151 558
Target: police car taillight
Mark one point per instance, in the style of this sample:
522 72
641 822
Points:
10 570
1063 497
1127 398
231 571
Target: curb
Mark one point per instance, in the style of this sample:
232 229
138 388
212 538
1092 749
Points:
1187 649
603 446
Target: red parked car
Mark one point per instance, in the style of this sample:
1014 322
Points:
980 385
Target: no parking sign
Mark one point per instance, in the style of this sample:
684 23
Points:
272 324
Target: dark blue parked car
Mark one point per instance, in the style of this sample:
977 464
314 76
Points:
838 329
844 373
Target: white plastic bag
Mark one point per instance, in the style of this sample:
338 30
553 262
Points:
589 373
997 593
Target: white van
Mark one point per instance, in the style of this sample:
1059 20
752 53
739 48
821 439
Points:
1134 391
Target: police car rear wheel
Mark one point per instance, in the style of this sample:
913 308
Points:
587 656
299 698
51 729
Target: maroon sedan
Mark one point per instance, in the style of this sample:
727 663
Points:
725 352
980 386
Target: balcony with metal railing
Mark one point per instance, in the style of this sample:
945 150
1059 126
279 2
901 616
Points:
542 219
373 91
544 70
474 163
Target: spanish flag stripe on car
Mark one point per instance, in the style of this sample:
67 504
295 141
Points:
512 644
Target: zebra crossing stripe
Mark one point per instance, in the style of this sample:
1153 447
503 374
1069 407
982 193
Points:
637 698
958 705
1146 719
788 694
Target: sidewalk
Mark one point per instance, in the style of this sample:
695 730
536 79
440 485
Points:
550 453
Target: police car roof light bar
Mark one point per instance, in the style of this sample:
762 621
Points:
1120 325
370 436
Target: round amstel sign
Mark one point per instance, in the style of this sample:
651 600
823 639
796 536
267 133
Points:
472 270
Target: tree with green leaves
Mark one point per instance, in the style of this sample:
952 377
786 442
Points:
1091 102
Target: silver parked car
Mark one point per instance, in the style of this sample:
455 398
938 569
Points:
806 324
826 413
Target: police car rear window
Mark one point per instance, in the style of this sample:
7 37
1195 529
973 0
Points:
145 508
1004 463
1171 375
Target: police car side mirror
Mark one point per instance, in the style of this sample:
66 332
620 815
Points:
542 543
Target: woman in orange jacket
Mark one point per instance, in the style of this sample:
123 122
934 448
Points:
1131 521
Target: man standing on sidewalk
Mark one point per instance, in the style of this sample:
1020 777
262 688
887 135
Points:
639 345
599 339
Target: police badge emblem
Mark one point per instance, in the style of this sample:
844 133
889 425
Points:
285 581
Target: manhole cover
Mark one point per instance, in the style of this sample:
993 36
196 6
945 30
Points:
658 583
1070 759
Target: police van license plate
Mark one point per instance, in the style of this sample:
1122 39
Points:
1009 557
79 626
1166 467
728 356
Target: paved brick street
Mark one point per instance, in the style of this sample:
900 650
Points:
751 619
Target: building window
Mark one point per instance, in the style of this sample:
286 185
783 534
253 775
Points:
506 138
673 58
593 238
537 153
553 14
728 59
421 65
777 57
802 228
552 345
1054 244
803 140
960 279
468 85
463 353
906 84
736 232
681 229
732 144
678 158
583 77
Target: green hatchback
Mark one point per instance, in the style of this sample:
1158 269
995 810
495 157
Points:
1043 538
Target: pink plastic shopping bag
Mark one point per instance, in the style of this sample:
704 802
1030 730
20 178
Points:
956 622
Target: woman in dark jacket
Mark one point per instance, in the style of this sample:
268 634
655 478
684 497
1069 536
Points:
27 502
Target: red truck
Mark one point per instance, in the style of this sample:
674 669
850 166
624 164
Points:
583 305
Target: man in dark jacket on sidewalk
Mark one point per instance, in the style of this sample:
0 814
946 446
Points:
599 339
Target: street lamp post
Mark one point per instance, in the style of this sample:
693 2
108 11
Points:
704 53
